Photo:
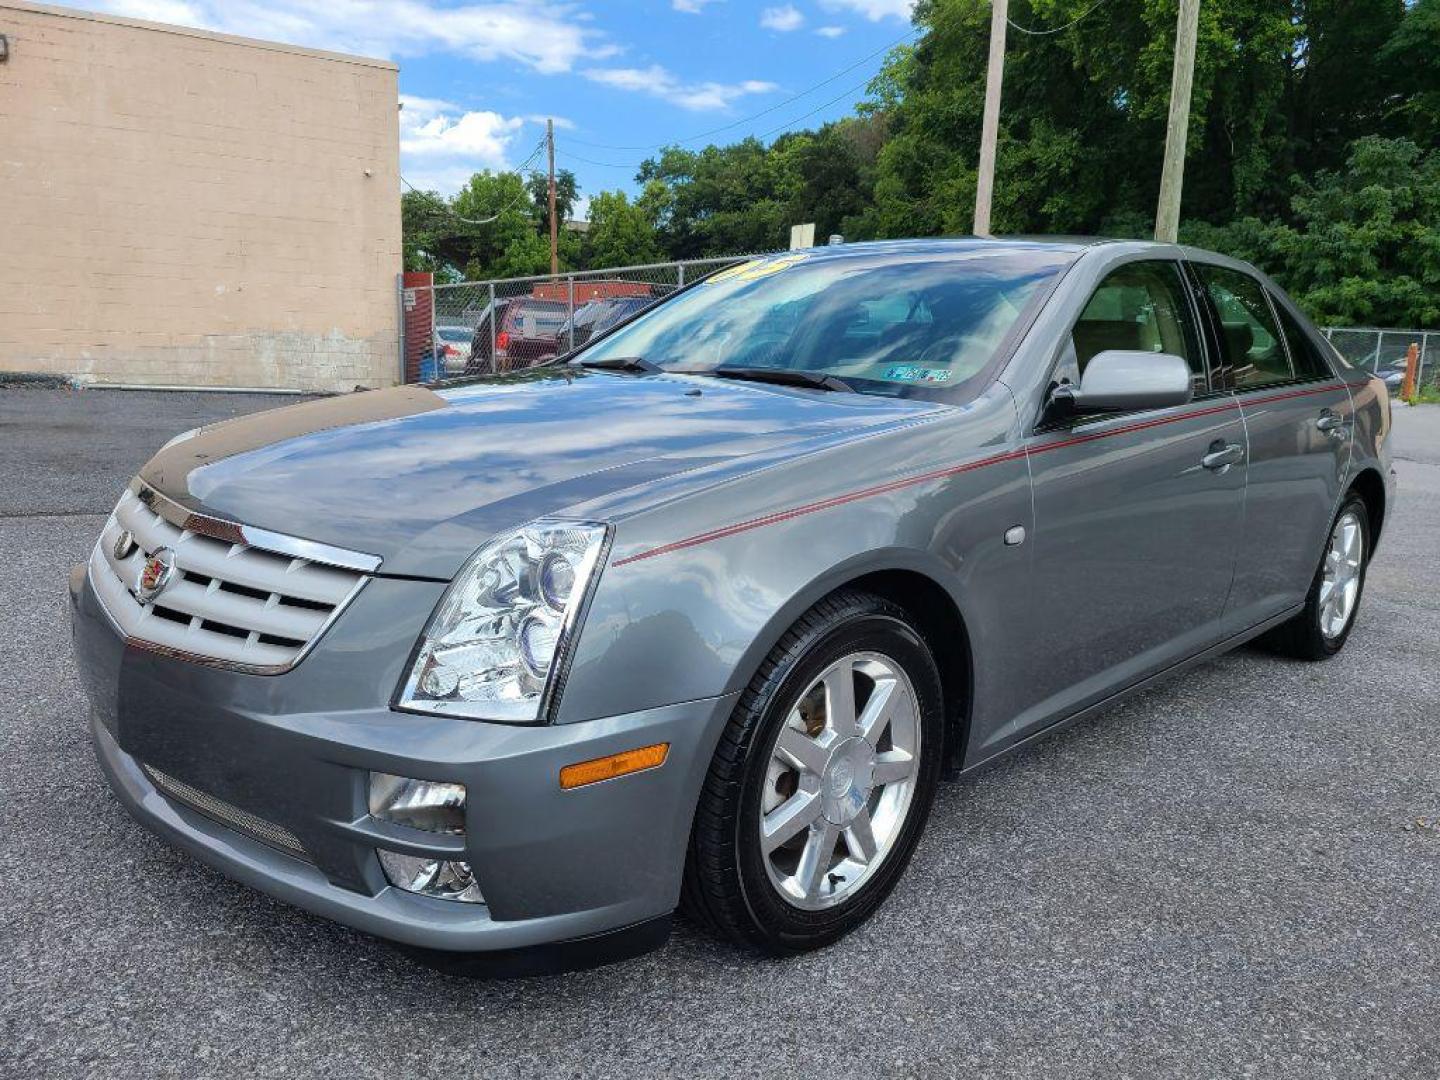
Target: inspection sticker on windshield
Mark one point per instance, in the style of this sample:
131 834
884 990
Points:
910 373
756 268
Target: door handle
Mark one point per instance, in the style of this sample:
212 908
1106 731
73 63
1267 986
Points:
1222 455
1330 423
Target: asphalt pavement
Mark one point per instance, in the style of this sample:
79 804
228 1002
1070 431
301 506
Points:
1234 874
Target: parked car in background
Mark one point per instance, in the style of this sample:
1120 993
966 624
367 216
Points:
525 330
597 316
578 328
701 616
452 345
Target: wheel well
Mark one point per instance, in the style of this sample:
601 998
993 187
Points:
1371 488
939 621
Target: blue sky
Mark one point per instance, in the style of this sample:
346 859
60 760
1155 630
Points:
478 79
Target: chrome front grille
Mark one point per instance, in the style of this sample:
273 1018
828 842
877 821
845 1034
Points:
239 597
232 817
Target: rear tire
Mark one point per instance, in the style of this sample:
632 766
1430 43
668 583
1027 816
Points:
803 758
1321 629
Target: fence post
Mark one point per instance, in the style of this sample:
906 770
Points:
1420 372
493 316
570 288
680 276
1375 357
400 322
1412 361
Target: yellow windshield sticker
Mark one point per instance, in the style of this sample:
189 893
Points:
756 269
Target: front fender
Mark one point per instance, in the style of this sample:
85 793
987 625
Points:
697 595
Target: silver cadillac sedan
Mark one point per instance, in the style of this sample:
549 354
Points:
697 617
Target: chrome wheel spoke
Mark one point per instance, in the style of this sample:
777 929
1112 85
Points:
795 813
801 751
860 838
878 710
840 699
893 766
815 859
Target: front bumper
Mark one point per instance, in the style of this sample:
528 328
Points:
553 865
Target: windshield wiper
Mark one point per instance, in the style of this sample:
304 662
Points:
635 364
781 376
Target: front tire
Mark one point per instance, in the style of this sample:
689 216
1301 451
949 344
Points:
822 780
1320 630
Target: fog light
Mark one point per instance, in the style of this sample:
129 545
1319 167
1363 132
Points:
431 877
431 805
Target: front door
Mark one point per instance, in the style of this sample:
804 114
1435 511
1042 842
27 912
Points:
1135 535
1299 422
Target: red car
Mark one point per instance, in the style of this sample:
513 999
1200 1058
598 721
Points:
526 330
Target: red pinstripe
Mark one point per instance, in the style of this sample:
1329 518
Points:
956 470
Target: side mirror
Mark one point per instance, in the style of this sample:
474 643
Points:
1125 380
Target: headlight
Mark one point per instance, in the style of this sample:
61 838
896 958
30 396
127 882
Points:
490 650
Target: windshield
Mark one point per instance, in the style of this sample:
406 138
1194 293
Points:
903 325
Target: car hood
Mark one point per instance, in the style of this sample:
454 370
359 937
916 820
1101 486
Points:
421 477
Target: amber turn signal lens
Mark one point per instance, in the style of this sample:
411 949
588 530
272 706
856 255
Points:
607 768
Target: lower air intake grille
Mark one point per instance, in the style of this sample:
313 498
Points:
230 816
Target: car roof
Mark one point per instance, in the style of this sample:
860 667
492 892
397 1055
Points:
957 245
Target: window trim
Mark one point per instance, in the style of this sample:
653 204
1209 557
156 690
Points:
1213 310
1067 345
1298 318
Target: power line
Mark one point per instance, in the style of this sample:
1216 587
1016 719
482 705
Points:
818 108
1042 33
494 217
763 135
763 112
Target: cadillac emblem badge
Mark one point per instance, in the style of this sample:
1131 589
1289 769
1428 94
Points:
155 574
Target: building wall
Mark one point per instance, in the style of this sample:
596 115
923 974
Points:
180 207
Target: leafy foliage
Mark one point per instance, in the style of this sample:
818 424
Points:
1313 151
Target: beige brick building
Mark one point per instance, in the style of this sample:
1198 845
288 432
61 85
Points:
181 207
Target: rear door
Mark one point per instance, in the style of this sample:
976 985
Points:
1135 536
1299 423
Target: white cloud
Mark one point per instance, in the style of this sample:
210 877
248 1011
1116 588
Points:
548 38
830 31
783 19
660 83
690 7
874 10
441 144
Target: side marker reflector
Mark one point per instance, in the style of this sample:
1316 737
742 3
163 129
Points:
607 768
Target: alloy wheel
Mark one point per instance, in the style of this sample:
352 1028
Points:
1340 575
840 780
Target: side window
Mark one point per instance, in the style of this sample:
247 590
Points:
1309 361
1250 345
1140 306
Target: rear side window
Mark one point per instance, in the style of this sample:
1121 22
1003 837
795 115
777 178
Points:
1309 361
1140 306
1250 346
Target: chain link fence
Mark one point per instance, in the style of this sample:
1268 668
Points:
1384 353
485 327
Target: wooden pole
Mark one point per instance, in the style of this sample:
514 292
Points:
554 225
990 125
1172 176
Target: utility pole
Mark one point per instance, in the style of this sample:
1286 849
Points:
989 131
1172 176
554 225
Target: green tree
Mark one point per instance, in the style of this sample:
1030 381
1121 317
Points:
1365 244
621 232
